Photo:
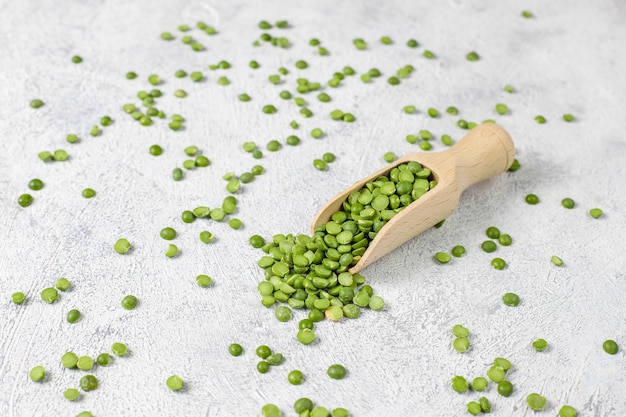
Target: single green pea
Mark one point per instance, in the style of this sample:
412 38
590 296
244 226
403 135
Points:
412 43
567 411
305 336
336 371
610 347
275 359
45 156
270 410
49 295
175 383
505 388
235 349
317 133
88 383
447 140
461 344
568 203
283 313
376 303
103 359
302 405
263 351
69 360
389 157
168 233
204 281
262 367
257 170
460 331
496 374
18 297
425 146
71 394
122 246
25 200
459 384
502 109
328 157
536 402
480 383
131 75
60 155
339 412
206 236
503 363
458 251
129 302
35 184
62 284
442 257
323 97
568 117
85 363
119 349
511 299
256 241
556 260
155 150
540 119
485 405
73 316
472 56
295 377
235 223
540 345
595 213
498 263
320 164
172 251
36 103
474 408
359 43
505 240
38 373
273 145
89 193
488 246
429 54
532 199
106 121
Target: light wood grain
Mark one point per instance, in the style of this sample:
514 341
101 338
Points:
486 151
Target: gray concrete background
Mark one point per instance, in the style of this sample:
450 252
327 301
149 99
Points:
569 59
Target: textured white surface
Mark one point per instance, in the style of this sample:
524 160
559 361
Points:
570 58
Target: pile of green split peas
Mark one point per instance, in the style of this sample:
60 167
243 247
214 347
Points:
304 272
312 271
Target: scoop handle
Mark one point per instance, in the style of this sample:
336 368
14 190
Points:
486 151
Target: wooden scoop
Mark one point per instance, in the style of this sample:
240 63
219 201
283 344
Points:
486 151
